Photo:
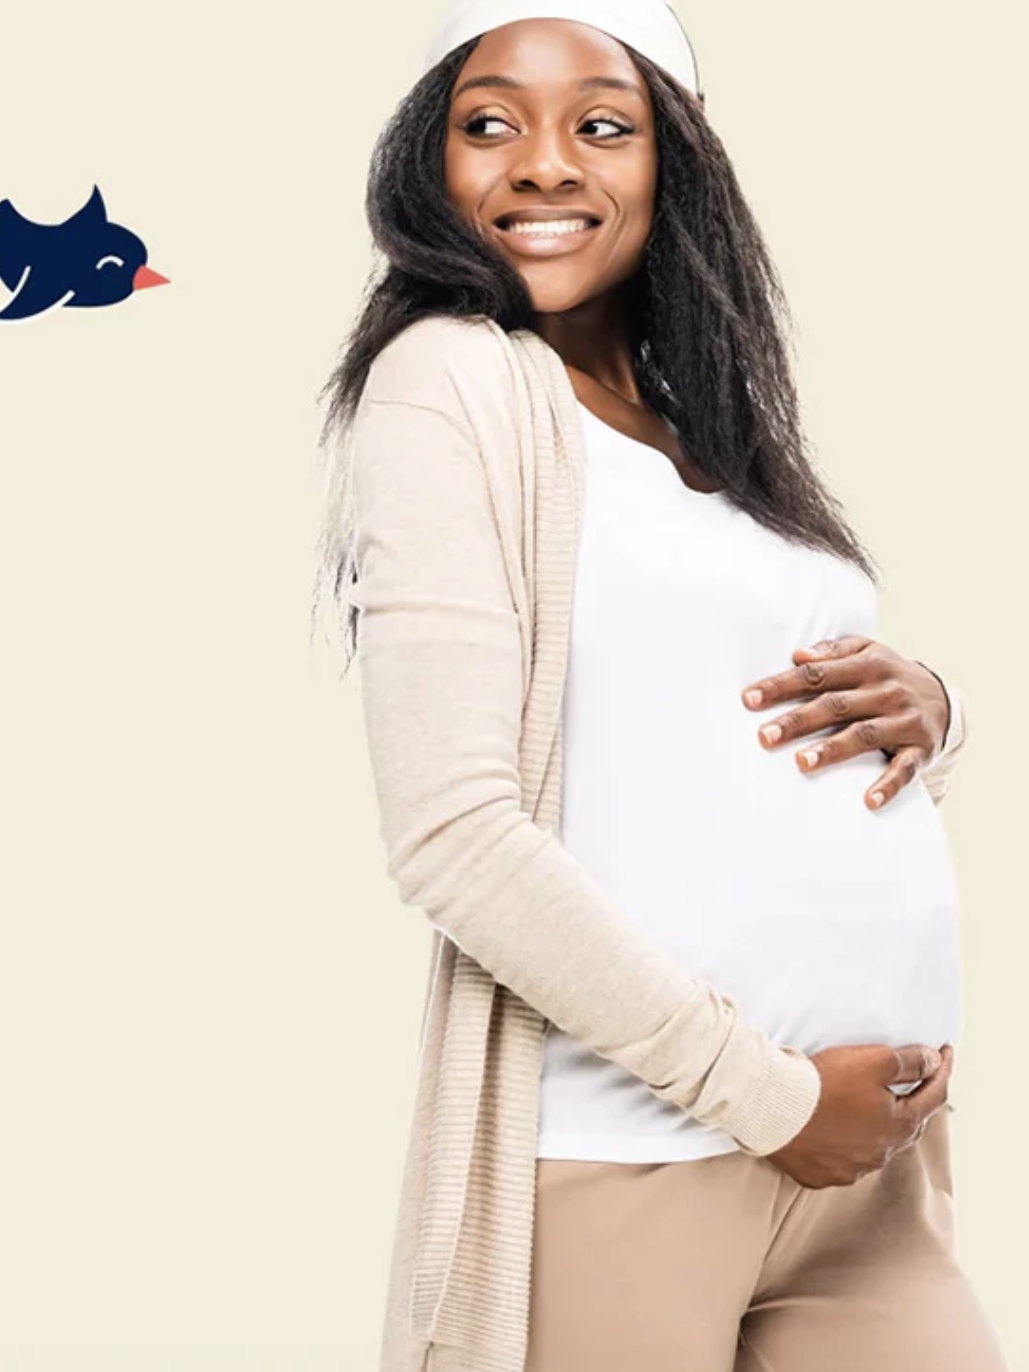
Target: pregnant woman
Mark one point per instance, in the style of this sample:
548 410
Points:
663 795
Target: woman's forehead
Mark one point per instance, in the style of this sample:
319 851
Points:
549 48
540 61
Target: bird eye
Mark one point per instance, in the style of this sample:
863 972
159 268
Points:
120 261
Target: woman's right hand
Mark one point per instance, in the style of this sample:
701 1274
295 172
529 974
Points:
859 1122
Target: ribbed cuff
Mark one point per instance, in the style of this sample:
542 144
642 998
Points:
954 734
956 729
778 1105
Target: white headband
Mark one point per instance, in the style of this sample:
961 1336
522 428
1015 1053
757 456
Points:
650 26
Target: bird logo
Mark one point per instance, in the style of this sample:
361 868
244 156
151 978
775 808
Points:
87 261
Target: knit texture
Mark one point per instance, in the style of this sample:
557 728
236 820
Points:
467 480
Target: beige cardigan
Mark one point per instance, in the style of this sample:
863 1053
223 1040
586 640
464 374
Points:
467 471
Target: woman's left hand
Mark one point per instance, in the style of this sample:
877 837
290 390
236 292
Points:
879 698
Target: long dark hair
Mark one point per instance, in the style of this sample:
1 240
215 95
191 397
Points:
711 329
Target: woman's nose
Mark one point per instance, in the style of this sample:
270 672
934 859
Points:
545 159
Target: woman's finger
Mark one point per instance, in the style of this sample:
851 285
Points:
904 766
836 664
865 719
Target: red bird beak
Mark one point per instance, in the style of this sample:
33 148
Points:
145 277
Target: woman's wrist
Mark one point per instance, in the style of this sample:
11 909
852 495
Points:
780 1102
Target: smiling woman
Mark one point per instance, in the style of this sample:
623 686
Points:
692 1002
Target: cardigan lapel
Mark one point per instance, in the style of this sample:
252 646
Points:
557 457
485 1140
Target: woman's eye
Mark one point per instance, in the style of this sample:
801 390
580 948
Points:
472 126
622 128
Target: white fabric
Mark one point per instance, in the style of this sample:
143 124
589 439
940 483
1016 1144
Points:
830 923
649 26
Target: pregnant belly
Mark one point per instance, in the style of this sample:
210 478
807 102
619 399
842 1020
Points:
842 975
837 924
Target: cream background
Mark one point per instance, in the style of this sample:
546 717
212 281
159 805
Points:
209 993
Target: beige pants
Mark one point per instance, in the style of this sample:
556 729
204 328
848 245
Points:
725 1264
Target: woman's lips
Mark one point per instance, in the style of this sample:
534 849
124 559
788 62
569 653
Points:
540 243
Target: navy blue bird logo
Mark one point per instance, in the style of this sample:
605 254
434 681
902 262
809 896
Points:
87 261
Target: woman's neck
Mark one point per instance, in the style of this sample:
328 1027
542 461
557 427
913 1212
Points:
593 339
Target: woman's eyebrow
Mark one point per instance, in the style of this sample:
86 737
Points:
495 79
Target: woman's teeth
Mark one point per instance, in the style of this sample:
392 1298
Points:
545 228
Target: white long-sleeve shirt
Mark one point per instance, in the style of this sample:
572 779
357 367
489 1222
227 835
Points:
828 922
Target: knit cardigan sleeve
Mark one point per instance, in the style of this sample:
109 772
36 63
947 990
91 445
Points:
939 773
441 683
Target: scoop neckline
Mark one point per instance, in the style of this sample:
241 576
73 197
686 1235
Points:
691 490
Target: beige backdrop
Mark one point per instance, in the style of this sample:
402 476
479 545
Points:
207 1071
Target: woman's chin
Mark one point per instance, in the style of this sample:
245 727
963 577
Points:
551 297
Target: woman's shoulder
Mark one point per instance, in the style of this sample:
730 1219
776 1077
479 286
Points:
438 359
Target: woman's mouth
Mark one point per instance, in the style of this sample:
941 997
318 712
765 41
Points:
546 237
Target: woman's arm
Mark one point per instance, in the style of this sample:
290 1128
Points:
440 671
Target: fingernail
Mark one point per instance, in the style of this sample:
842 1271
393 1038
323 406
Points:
753 697
933 1061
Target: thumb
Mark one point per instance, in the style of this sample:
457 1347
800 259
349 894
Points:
913 1062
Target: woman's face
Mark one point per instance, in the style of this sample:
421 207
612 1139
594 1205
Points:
529 141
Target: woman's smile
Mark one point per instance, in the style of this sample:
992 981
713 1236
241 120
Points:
545 233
